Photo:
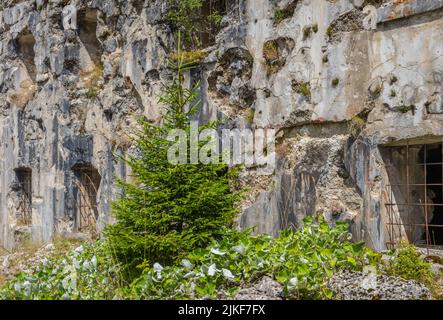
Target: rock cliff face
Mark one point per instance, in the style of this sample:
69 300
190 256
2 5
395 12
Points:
348 85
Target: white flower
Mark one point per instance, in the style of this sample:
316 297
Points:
94 262
212 270
65 283
158 270
228 274
79 249
17 286
75 263
293 282
260 264
217 252
86 264
187 264
158 267
303 260
189 274
240 249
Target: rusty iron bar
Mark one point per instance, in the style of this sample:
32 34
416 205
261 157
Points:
413 204
426 198
416 164
416 184
417 225
420 245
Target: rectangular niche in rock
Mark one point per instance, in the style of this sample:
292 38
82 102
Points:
87 31
86 183
210 9
414 193
24 44
24 193
138 5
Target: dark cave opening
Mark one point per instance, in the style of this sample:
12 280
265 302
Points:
210 9
24 181
24 44
86 184
432 157
87 31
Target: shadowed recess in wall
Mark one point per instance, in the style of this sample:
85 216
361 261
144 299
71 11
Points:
24 44
24 184
414 193
87 31
211 8
87 181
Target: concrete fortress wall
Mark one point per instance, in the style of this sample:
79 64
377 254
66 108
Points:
342 81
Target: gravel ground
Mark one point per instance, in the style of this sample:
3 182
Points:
265 289
360 286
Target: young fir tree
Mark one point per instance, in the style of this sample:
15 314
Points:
169 209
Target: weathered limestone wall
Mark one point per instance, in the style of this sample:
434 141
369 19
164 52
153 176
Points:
336 78
89 86
339 79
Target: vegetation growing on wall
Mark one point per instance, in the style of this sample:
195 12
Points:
275 52
285 13
302 88
185 16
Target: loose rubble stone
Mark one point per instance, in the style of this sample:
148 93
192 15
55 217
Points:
359 286
265 289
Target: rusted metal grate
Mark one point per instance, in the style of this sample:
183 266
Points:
87 183
414 195
24 212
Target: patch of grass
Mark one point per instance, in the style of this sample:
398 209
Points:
62 245
189 58
393 80
406 108
302 88
285 13
335 82
280 15
356 125
408 264
90 80
315 28
271 55
270 50
92 93
307 30
393 94
250 113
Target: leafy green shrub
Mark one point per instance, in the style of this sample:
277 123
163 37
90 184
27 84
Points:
407 263
301 260
84 273
170 209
